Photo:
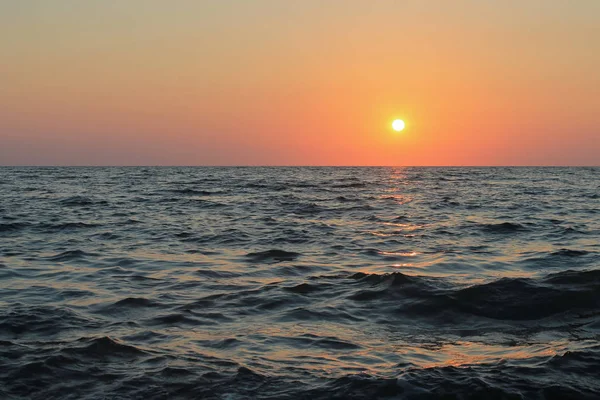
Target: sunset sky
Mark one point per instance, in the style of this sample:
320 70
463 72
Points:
312 82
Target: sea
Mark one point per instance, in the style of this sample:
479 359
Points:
299 283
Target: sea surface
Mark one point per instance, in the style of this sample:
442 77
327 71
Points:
299 283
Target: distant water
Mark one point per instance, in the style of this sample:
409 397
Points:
299 283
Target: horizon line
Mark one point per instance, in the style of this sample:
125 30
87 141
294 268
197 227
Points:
285 166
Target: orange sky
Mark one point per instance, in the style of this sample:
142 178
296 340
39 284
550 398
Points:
316 82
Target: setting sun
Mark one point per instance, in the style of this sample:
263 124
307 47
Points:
398 125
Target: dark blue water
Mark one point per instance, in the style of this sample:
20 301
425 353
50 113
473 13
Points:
299 283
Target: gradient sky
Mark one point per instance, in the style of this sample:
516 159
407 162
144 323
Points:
312 82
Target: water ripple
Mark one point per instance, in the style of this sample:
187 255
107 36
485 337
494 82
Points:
299 283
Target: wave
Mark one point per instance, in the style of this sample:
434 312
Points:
177 319
503 227
571 293
34 322
102 348
303 288
308 209
80 201
134 302
227 238
345 199
66 226
12 226
393 279
495 381
70 255
272 255
196 192
267 186
349 185
569 253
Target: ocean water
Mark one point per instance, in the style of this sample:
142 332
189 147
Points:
299 283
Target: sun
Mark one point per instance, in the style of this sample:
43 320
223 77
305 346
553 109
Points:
398 125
